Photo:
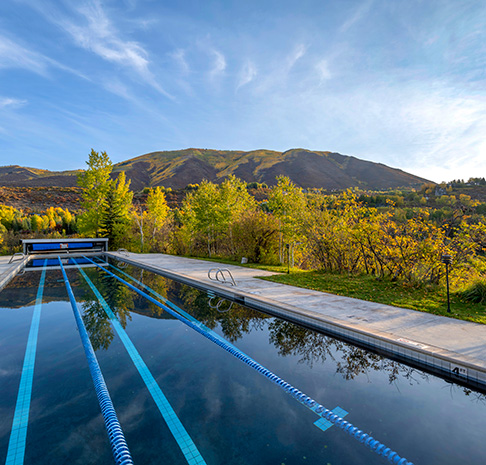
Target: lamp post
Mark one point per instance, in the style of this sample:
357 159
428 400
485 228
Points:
288 258
447 260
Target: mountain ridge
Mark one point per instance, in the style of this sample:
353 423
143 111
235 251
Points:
178 168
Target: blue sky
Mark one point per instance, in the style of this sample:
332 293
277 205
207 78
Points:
400 82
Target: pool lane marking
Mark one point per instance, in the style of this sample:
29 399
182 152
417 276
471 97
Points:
369 441
118 443
18 435
186 444
322 423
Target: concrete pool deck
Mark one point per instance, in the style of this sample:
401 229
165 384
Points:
9 269
455 348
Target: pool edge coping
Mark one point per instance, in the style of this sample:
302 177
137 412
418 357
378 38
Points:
12 271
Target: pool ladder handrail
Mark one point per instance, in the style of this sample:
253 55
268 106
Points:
220 273
123 251
16 254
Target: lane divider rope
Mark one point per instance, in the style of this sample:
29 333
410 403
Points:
371 443
184 441
18 435
119 447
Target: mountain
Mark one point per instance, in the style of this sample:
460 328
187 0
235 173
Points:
179 168
305 168
19 176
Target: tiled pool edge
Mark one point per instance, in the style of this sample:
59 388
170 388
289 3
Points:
454 366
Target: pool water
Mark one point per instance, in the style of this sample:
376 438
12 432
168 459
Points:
232 413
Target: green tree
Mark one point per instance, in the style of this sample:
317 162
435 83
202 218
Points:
96 184
115 216
157 209
234 200
288 204
202 213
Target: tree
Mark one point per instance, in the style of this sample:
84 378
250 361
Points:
139 216
96 183
234 200
115 216
157 209
288 204
202 213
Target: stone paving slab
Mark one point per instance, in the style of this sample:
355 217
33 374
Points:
450 340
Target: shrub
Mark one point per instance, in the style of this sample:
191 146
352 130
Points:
475 293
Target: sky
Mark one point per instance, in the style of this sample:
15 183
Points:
399 82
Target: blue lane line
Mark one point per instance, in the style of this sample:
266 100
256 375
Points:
321 423
118 444
18 435
368 441
186 444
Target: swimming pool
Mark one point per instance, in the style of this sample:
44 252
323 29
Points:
228 410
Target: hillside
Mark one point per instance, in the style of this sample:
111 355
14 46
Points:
19 176
306 168
177 169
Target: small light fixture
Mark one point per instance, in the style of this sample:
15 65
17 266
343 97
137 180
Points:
447 260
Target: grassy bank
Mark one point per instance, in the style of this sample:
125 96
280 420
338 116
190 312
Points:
429 299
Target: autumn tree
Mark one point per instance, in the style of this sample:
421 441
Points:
157 210
96 184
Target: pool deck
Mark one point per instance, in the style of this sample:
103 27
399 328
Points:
9 270
455 348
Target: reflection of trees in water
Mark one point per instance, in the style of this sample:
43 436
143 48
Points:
155 282
118 297
233 323
350 361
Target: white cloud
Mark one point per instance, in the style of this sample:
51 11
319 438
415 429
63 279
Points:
219 64
246 75
14 55
323 71
357 16
298 52
179 56
100 36
11 102
97 33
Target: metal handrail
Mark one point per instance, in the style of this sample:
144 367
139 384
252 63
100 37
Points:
220 272
124 252
18 254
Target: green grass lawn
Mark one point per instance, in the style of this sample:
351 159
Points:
430 299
